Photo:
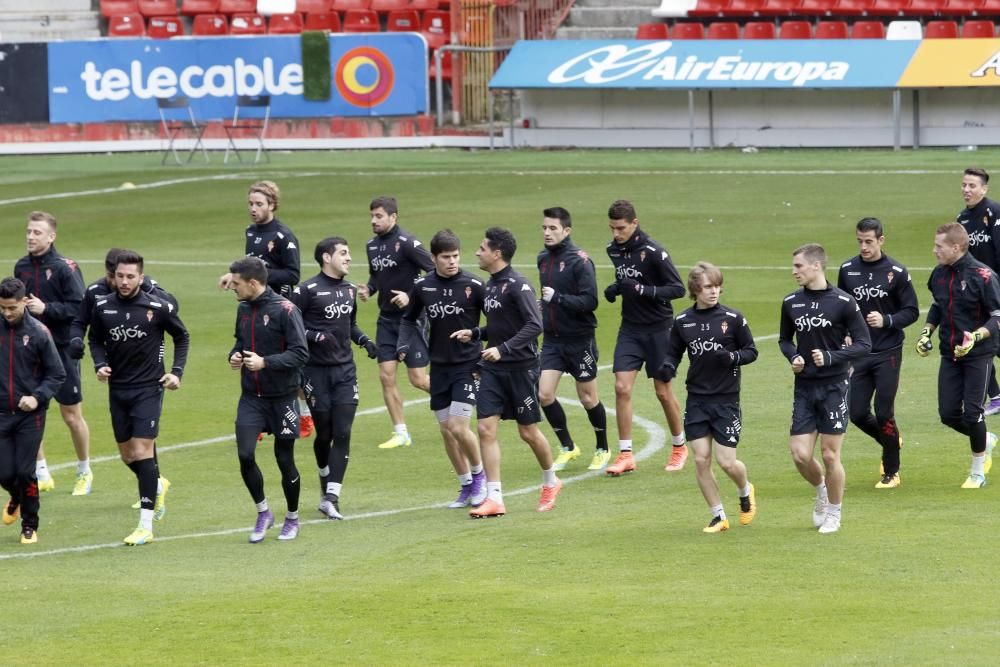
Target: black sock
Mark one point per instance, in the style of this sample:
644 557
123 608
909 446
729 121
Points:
146 472
599 420
556 416
291 481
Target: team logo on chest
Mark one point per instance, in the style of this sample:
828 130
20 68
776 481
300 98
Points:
266 318
24 339
642 256
468 292
270 246
890 276
397 246
48 274
503 288
149 315
562 265
724 326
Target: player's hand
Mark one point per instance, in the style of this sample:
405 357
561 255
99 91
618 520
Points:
969 340
818 359
236 361
363 292
611 292
253 361
401 300
724 358
75 348
547 294
875 320
924 343
626 284
798 363
226 281
369 346
103 373
666 372
170 381
35 305
491 354
462 335
27 403
401 352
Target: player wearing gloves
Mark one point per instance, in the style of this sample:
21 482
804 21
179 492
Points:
718 342
966 314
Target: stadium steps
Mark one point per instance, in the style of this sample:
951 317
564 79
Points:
606 19
44 20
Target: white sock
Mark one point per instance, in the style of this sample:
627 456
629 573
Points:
745 491
146 519
262 506
678 440
476 470
625 445
334 488
821 490
977 464
42 469
717 511
833 509
292 515
549 477
324 471
83 467
400 429
304 408
465 479
494 492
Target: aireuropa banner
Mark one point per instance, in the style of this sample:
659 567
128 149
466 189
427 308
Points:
120 79
750 64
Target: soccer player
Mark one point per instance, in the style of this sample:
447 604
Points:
452 300
270 353
569 299
966 314
718 341
815 323
647 281
508 386
55 291
271 241
329 314
395 260
126 344
980 217
30 375
882 287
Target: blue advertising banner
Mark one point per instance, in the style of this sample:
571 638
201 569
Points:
869 63
120 79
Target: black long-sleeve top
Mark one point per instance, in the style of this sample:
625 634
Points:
822 320
127 335
329 313
271 326
570 272
451 304
58 282
883 286
395 260
644 262
512 320
982 223
276 245
29 364
99 289
966 297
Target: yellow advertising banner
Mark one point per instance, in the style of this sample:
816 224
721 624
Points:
953 63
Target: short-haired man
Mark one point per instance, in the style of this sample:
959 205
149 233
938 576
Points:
981 217
270 352
647 281
126 344
569 299
966 314
718 341
508 387
452 300
30 375
816 320
55 291
329 314
882 287
395 260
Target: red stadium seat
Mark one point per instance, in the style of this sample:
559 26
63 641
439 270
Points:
207 25
285 24
158 7
403 20
237 6
651 31
195 7
386 6
815 7
961 7
361 20
780 8
759 30
118 7
795 30
852 7
831 30
941 30
689 31
324 21
247 24
126 25
989 8
711 8
868 30
924 7
978 29
889 8
347 5
436 28
424 5
743 8
724 30
165 27
312 6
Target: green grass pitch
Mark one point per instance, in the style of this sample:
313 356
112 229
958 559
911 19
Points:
620 572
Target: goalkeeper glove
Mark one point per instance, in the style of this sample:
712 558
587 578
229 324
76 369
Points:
666 372
924 344
75 348
969 341
369 346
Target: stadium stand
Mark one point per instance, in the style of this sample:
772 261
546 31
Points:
795 30
313 6
195 7
157 7
126 25
904 30
347 5
868 30
831 30
231 7
689 31
386 6
941 30
724 30
403 20
285 24
759 30
975 29
209 25
323 21
247 24
111 8
361 20
651 31
272 7
165 27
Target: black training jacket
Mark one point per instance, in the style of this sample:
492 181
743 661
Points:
29 364
570 272
271 326
966 297
643 262
57 281
882 286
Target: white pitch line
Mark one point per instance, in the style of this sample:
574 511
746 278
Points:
657 440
